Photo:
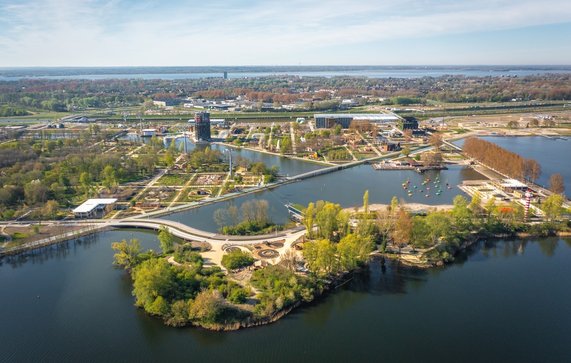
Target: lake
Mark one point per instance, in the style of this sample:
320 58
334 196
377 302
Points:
179 73
501 301
504 301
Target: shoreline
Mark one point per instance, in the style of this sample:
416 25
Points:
341 280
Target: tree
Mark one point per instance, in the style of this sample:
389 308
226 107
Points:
85 181
476 204
50 209
403 228
326 219
556 183
153 278
207 307
461 213
128 253
109 176
337 130
35 192
353 250
439 223
321 257
366 202
393 207
237 259
308 217
166 240
552 206
406 151
420 233
436 141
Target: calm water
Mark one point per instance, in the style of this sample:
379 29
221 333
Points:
345 187
177 73
502 302
507 301
552 154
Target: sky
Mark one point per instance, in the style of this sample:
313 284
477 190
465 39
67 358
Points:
284 32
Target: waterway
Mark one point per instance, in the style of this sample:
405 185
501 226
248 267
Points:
180 73
345 187
507 301
551 154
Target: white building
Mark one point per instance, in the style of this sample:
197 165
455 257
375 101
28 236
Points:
93 208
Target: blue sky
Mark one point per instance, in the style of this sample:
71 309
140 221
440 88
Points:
285 32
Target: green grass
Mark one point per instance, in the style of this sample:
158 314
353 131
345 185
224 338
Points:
173 179
20 235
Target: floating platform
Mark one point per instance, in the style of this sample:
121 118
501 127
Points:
393 166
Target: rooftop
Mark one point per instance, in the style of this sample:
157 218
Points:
512 183
91 204
359 116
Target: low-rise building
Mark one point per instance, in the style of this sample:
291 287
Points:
94 208
344 119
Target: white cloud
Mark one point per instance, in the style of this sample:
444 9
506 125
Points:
115 32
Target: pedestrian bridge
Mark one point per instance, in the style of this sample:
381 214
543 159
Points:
188 233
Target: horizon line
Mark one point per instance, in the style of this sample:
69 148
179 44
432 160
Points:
290 65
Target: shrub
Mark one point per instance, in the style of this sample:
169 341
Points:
237 259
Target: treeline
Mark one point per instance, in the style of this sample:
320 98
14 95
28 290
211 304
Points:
310 92
61 172
250 219
502 160
12 111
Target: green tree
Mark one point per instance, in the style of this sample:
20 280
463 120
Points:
85 181
406 151
308 216
461 213
166 240
354 250
128 253
326 219
321 257
153 278
109 176
366 202
552 206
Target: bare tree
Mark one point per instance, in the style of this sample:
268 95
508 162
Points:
556 183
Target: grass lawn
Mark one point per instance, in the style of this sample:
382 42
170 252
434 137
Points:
173 179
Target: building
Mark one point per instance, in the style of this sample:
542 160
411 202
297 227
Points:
325 121
510 185
386 145
408 123
94 208
148 132
202 126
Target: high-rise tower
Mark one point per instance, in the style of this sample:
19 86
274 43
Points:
202 126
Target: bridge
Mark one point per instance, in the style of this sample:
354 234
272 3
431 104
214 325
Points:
188 233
